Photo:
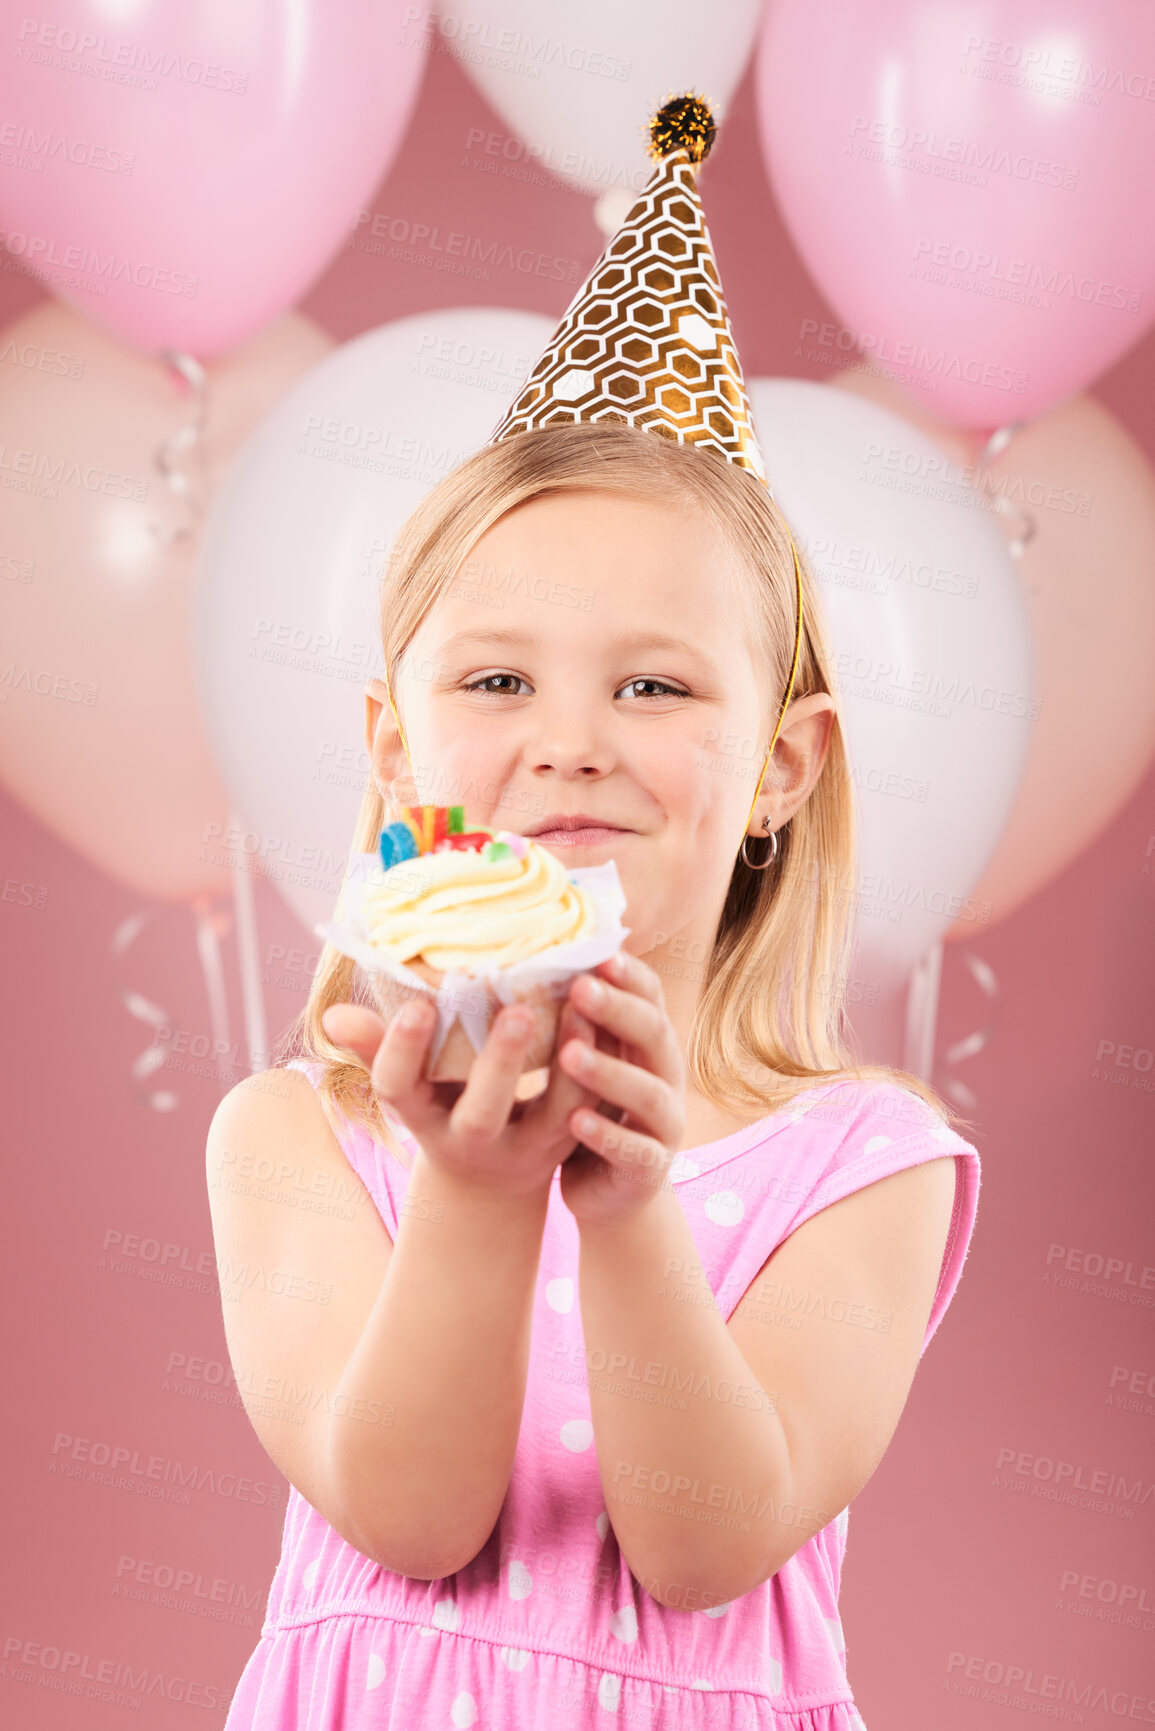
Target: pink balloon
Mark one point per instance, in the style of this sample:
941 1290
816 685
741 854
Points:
970 186
183 170
1080 494
100 729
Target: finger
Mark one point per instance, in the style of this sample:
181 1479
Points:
562 1093
633 1019
483 1109
397 1069
637 1159
357 1028
649 1099
634 975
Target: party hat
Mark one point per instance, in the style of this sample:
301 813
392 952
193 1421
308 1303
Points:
647 338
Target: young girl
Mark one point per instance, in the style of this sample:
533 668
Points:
592 1373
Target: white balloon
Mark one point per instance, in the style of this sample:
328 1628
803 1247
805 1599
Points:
578 85
933 655
287 628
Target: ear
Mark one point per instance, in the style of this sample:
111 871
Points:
387 759
800 751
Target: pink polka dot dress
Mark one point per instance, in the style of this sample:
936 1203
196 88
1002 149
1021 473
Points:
547 1629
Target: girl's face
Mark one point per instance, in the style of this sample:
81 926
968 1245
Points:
593 660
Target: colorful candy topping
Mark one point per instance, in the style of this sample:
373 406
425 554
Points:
426 829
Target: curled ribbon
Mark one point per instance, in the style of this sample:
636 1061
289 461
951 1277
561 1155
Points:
160 1099
922 1014
210 927
971 1044
1027 525
192 381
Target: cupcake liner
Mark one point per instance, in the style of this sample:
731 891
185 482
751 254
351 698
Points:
473 998
453 1059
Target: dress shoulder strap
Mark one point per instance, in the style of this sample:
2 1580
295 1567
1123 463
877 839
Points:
891 1129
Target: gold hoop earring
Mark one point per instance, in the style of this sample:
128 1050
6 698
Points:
773 850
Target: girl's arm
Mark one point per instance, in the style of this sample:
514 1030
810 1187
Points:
723 1448
385 1380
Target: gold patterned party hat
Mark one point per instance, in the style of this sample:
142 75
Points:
647 340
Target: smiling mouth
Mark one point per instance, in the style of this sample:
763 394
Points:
590 835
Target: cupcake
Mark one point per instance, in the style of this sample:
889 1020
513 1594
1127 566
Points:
473 919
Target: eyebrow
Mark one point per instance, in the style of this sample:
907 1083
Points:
637 640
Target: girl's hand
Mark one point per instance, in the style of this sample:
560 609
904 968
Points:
475 1131
623 1165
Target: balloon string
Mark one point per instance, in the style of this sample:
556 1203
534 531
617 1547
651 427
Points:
922 1012
192 381
144 1010
210 927
1027 526
248 957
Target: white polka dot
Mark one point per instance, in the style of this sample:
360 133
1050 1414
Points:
717 1610
464 1709
724 1208
577 1434
573 384
376 1671
834 1627
842 1520
877 1142
309 1576
624 1624
559 1295
446 1614
609 1691
774 1681
701 1683
519 1581
943 1133
423 1629
682 1168
515 1657
603 1525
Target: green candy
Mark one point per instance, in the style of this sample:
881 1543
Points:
497 850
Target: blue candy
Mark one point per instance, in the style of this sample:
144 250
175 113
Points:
397 843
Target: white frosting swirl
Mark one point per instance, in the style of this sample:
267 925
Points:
456 910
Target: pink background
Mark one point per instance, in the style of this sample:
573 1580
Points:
949 1570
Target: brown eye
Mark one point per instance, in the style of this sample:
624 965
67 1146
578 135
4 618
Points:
486 683
665 689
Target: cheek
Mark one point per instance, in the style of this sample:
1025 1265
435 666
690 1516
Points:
463 766
698 783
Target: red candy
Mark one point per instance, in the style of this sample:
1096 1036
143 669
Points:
471 841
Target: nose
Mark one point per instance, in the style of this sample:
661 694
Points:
568 764
565 741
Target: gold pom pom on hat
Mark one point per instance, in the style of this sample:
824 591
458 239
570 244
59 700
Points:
683 123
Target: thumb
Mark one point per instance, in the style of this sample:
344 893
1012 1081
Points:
355 1027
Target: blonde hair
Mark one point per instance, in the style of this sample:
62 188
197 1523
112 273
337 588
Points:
770 1020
